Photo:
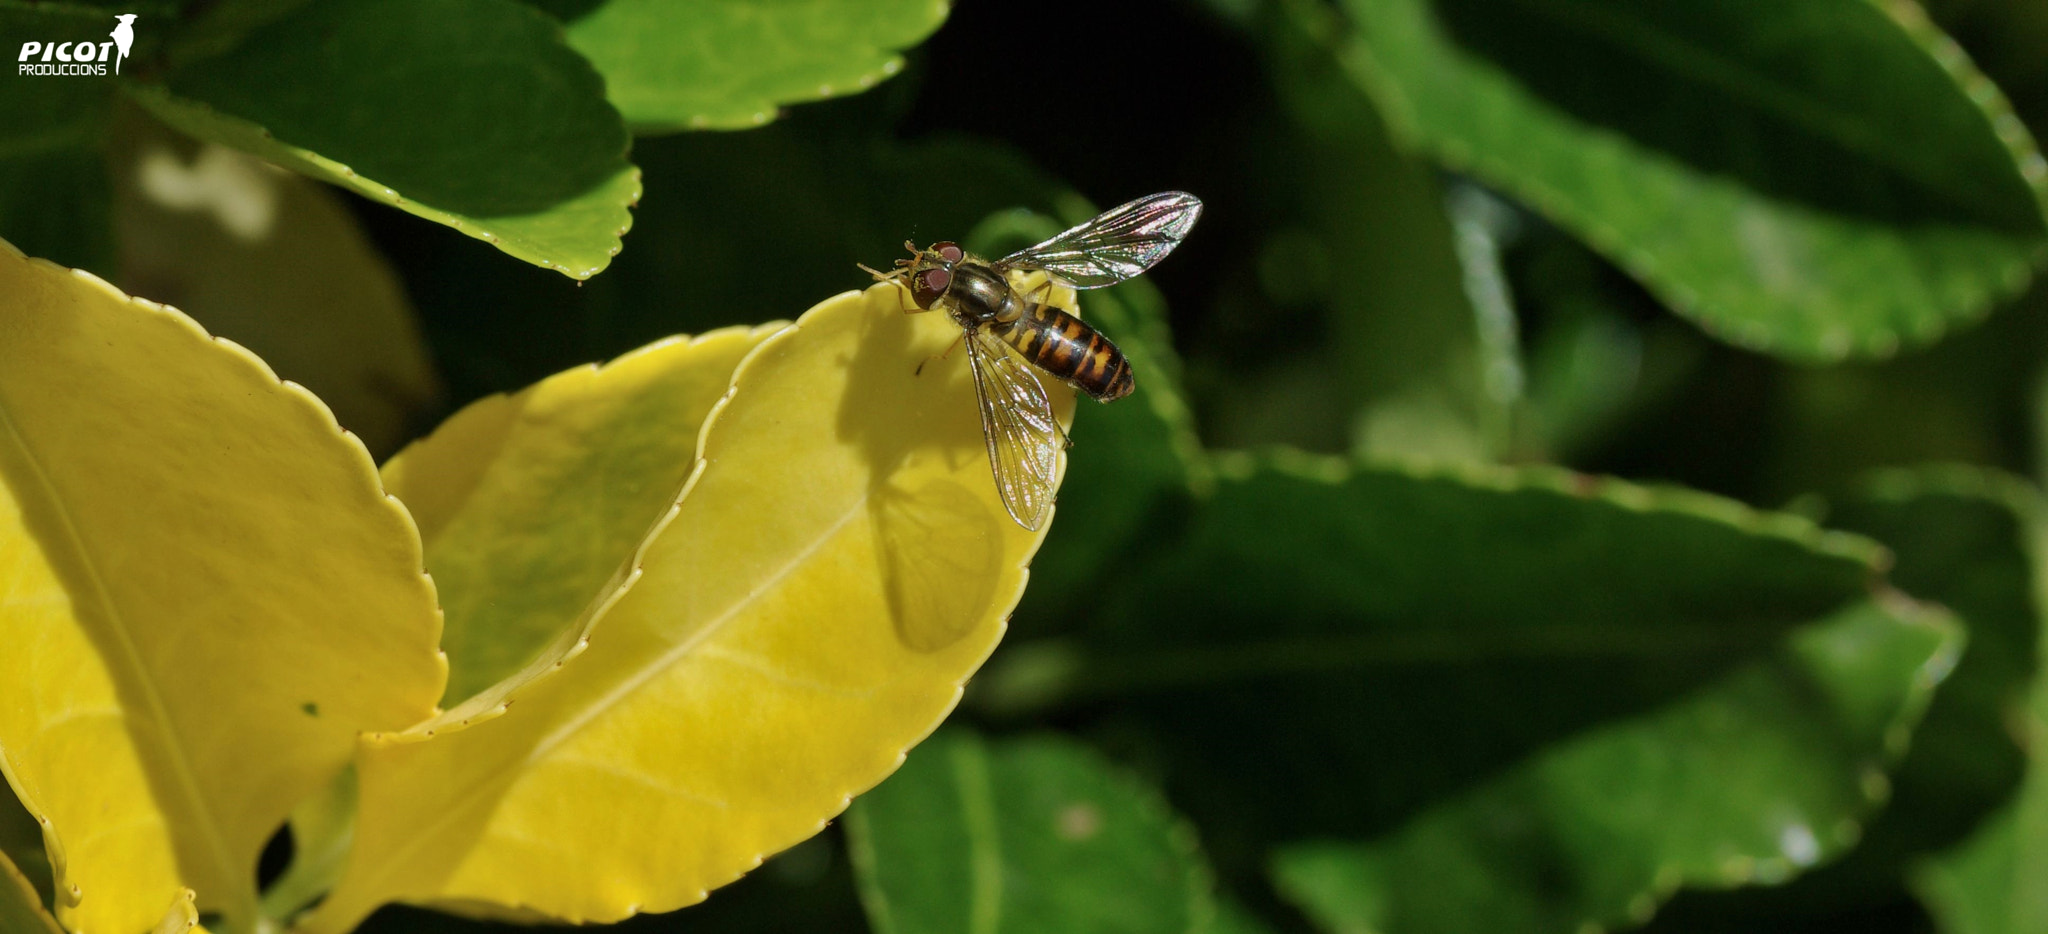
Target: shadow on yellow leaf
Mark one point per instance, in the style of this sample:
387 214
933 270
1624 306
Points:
837 565
205 594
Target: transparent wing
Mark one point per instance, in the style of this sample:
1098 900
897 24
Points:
1118 244
1017 423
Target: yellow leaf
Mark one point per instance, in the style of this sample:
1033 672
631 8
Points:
204 592
531 504
182 917
836 568
274 262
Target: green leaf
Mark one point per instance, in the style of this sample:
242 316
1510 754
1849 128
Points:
21 909
515 146
1416 331
1035 834
1961 537
1381 612
21 853
725 64
1760 775
1992 882
1832 182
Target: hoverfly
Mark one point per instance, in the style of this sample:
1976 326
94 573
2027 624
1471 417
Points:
1017 421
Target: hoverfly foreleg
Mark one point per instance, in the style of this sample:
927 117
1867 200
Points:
896 279
955 345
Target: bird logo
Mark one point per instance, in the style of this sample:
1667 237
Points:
124 36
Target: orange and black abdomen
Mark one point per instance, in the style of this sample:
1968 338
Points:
1068 348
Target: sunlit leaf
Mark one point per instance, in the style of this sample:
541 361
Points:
1035 834
593 456
277 264
515 146
1759 775
837 566
725 64
1819 183
168 507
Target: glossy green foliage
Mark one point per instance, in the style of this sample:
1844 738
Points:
1031 834
521 142
1760 774
732 63
1521 522
1823 182
1382 614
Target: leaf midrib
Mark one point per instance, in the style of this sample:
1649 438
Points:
466 798
241 900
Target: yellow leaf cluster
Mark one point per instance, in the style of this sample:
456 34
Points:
696 599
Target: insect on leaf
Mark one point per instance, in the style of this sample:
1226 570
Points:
836 567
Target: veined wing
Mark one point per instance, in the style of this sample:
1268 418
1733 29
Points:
1017 424
1117 244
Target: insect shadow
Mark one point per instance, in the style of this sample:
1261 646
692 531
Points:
910 409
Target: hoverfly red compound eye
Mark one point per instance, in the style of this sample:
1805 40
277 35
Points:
948 251
928 286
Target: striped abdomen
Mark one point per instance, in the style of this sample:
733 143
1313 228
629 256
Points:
1068 348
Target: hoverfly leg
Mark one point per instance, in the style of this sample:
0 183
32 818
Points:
895 278
955 345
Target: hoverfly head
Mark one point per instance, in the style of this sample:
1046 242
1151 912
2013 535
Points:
929 284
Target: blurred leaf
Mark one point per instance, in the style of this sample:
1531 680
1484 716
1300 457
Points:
799 202
837 565
278 265
53 186
592 456
1994 882
1832 183
1962 537
21 908
1756 777
1034 834
168 507
323 827
515 146
21 843
1349 328
1382 612
1964 400
727 64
